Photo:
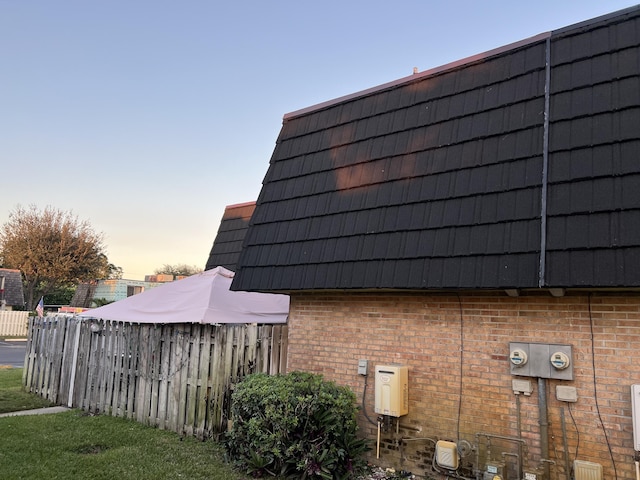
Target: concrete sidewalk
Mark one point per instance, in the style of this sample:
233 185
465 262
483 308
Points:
35 411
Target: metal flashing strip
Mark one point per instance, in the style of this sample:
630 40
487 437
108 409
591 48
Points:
239 205
418 76
545 167
577 27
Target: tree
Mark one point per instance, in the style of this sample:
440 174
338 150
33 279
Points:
52 249
178 270
101 302
113 272
61 295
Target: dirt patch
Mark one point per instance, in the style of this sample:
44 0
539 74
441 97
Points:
92 449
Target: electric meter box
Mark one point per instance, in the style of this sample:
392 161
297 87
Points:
392 390
542 360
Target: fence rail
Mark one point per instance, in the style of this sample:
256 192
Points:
13 323
176 377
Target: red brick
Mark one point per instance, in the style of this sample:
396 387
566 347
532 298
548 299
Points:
329 333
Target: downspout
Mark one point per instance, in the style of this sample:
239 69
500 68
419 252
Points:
545 166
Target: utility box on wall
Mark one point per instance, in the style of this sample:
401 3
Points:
392 390
543 360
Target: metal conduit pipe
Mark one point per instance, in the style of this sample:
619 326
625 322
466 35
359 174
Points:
567 466
518 462
501 437
521 442
544 424
519 421
448 473
410 427
417 439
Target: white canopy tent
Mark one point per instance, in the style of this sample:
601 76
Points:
201 298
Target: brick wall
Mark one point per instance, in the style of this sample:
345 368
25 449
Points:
457 348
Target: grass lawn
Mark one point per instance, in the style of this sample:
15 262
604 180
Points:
75 445
12 397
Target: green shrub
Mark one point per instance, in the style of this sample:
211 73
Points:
296 425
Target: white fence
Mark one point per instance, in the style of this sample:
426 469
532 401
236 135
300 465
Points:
13 324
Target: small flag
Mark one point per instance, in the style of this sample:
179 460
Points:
40 307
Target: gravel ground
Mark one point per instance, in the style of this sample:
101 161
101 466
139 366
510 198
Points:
379 473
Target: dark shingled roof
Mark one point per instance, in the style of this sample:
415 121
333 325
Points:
13 293
228 242
83 296
466 176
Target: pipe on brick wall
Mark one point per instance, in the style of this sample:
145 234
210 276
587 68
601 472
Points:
519 422
404 440
544 424
448 473
519 441
565 444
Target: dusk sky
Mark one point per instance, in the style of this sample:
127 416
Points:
146 118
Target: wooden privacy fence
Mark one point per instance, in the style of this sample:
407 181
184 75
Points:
13 323
176 377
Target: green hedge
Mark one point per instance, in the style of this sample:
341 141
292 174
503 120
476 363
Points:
296 425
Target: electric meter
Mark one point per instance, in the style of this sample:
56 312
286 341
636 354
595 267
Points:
559 360
518 357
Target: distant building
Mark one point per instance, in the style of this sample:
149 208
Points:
11 292
228 242
114 289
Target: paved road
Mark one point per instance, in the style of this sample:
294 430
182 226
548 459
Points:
12 353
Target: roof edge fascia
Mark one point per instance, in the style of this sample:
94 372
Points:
465 61
418 76
511 292
577 27
240 205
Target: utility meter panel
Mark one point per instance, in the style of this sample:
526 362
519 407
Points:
542 360
392 390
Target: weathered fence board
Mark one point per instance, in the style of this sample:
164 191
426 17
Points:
174 376
13 323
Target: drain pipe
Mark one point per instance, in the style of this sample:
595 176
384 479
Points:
567 465
544 424
520 450
378 441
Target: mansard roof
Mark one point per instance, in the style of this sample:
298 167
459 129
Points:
228 242
518 168
11 291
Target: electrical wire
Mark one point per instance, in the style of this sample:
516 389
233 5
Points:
364 408
595 388
575 425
